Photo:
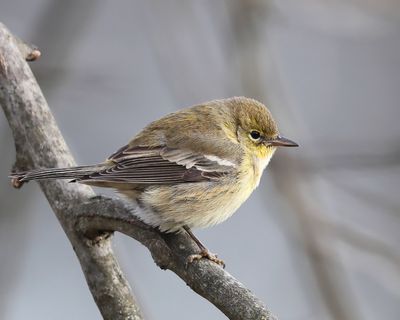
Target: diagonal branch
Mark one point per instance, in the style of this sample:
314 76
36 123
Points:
39 143
89 221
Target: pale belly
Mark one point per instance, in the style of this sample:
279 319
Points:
198 205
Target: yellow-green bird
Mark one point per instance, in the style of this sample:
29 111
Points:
190 169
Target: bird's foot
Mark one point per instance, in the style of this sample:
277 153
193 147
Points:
208 255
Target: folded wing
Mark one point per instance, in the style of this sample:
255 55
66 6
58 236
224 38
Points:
161 165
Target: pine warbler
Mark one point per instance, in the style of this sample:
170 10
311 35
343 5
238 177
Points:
190 169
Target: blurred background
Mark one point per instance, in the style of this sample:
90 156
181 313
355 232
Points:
319 239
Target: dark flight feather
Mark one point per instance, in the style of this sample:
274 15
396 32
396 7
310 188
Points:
159 165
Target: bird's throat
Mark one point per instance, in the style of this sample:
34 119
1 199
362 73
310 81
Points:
259 163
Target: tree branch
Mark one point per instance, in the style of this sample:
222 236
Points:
39 143
88 221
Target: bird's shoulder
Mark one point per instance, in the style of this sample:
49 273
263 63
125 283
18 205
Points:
202 130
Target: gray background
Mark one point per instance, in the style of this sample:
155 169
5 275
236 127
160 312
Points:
317 240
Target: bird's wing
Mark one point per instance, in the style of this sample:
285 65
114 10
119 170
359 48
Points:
161 165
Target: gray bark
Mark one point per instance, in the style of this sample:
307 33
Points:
89 221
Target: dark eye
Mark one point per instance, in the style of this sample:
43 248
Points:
255 135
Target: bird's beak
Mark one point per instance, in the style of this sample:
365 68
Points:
281 142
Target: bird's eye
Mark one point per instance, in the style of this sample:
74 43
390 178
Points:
255 135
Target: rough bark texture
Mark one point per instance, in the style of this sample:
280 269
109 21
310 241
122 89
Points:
89 221
39 143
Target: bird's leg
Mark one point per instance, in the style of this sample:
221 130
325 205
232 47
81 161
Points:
204 253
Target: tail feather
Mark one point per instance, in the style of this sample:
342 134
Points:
56 173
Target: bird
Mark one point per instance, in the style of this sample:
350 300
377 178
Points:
192 168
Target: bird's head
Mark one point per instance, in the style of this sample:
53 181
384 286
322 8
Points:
256 129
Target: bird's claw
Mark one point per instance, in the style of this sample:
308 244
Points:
208 255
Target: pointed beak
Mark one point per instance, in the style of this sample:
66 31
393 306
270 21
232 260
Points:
282 142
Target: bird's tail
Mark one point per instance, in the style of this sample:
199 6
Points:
75 173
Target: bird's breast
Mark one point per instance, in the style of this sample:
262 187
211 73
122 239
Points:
253 167
203 204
